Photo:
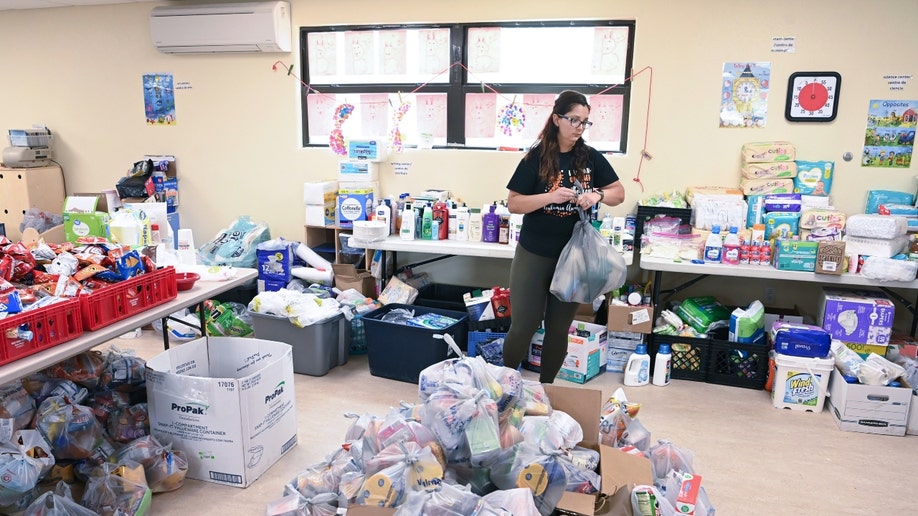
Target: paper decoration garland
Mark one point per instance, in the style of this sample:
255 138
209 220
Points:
512 119
336 138
395 135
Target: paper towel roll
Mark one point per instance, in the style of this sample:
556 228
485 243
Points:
309 256
313 275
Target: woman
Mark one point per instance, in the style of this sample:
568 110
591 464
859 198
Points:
543 188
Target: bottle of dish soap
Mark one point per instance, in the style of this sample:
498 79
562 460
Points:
637 371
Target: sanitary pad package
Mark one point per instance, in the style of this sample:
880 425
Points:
814 177
876 226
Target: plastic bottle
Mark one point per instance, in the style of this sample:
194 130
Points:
490 226
503 232
406 231
383 213
462 223
155 236
435 229
393 215
453 221
427 223
605 229
637 371
618 224
516 226
475 225
441 213
731 252
713 248
662 365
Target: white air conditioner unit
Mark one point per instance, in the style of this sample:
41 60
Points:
216 28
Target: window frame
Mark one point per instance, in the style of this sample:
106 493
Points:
458 76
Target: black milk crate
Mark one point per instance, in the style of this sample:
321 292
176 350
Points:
443 296
485 332
738 364
691 357
645 213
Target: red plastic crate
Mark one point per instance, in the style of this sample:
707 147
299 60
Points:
124 299
36 330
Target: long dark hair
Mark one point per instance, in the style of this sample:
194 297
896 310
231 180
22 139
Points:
547 143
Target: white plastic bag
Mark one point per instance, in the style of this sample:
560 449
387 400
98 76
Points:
588 266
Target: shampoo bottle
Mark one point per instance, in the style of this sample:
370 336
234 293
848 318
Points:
663 365
383 213
490 226
462 223
637 371
475 225
427 223
406 230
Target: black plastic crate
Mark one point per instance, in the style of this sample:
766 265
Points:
691 357
443 296
401 352
738 364
645 213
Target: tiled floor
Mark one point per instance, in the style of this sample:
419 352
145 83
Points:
754 459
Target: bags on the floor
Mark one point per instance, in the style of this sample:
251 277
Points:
588 266
57 503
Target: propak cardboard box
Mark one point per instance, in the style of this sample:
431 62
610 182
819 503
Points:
872 409
226 402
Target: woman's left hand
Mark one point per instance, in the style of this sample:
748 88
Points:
588 199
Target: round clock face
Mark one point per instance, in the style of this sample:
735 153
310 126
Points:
812 96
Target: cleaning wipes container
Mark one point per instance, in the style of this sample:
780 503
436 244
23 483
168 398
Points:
801 383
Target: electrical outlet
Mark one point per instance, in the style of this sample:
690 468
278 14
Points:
770 296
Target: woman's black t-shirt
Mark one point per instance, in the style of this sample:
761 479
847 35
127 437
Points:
546 230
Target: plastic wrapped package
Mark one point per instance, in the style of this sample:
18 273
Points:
534 399
182 326
466 424
889 269
443 499
295 504
526 465
164 468
72 431
670 246
129 423
24 460
648 500
235 245
114 489
107 402
57 503
16 409
666 457
228 319
588 266
511 502
580 480
326 476
123 371
876 226
411 468
84 369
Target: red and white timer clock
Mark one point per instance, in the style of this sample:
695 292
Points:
812 96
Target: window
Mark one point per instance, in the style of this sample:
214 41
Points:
479 86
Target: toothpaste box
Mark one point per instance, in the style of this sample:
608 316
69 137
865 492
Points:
858 316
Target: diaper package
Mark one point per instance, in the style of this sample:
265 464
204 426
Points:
814 177
769 170
815 201
876 226
722 210
755 211
877 197
762 152
699 191
747 325
822 218
766 186
885 247
781 224
903 210
782 202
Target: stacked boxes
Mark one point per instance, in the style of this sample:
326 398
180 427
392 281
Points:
857 316
321 201
621 344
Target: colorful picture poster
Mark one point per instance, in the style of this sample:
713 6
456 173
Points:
321 114
431 114
359 52
744 94
890 135
159 99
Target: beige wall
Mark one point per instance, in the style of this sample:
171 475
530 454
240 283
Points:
237 141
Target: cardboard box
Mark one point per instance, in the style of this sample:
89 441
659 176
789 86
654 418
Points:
620 471
85 215
830 257
862 316
375 150
864 350
320 192
227 403
795 255
872 409
348 276
788 315
165 188
322 214
355 201
638 319
912 426
586 352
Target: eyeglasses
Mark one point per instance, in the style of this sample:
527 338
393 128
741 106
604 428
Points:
576 122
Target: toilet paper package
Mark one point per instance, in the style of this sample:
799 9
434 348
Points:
860 316
876 226
814 177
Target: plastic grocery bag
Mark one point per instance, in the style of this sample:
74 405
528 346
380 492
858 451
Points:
236 245
57 503
588 266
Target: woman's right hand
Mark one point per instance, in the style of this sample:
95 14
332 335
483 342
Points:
562 195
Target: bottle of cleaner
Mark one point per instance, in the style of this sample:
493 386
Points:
731 253
663 365
714 246
427 223
637 371
605 229
475 224
462 223
490 226
406 230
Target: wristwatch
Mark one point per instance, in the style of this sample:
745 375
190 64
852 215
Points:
602 195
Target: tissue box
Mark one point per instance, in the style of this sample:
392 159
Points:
795 255
357 171
369 150
322 214
860 316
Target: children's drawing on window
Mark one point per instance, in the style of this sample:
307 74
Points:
358 57
432 115
606 115
433 51
610 45
537 108
393 47
484 50
374 114
321 112
323 50
480 115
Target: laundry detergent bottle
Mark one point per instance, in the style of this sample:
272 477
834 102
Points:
637 371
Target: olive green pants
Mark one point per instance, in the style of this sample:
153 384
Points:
531 303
